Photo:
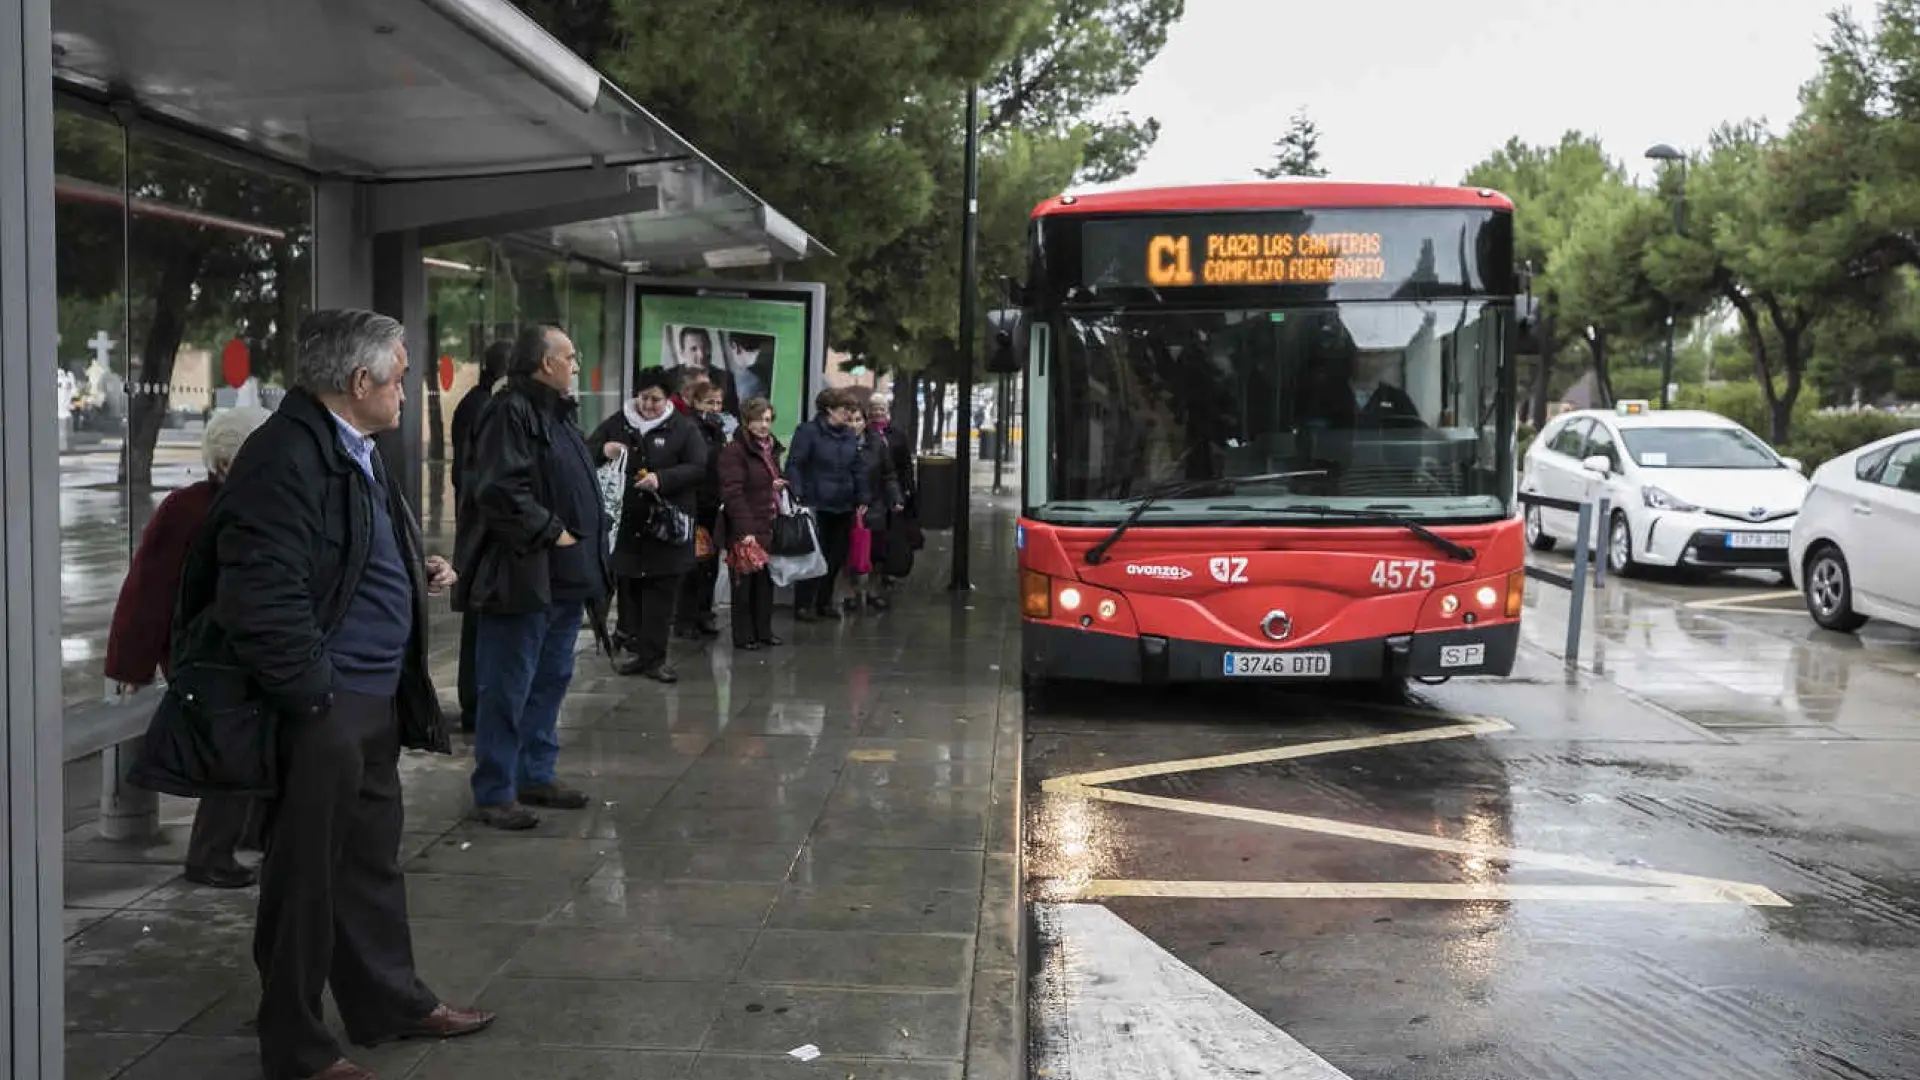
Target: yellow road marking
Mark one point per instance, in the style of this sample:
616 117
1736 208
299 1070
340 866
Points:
1654 885
1745 602
873 755
1384 890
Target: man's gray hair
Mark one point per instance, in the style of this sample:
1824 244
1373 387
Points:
335 343
225 432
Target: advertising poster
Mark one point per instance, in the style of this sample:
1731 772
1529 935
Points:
752 348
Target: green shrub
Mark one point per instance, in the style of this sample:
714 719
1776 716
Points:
1743 404
1820 437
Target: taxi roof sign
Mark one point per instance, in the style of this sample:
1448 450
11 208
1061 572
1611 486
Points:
1632 408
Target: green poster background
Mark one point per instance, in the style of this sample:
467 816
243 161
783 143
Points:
784 321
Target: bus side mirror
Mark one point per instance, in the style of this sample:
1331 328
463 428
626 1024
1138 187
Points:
1001 359
1006 334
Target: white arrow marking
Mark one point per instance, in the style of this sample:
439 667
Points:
1112 1005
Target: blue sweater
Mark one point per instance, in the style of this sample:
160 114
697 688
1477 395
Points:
370 643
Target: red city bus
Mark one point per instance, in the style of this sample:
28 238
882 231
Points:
1269 434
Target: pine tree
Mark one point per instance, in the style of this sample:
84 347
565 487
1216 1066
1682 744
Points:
1298 151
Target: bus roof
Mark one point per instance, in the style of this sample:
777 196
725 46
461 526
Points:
1299 194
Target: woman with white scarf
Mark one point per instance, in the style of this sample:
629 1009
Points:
666 460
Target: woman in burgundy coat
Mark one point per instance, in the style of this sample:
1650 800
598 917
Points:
750 486
141 637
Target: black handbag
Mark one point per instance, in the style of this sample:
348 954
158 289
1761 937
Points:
212 734
793 530
667 523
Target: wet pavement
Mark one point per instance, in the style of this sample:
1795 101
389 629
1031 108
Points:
1696 859
812 845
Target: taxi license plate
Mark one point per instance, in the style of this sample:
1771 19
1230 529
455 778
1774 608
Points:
1279 665
1772 541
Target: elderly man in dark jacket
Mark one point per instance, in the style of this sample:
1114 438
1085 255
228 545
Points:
304 603
826 471
533 555
666 463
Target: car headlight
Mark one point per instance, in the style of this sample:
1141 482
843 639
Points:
1660 500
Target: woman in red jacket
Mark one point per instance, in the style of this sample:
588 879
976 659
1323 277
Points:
750 487
140 640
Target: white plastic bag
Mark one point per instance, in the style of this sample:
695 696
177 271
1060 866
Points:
613 491
787 569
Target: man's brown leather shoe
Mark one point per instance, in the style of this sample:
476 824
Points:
343 1070
446 1022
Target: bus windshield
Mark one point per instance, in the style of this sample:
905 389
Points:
1396 406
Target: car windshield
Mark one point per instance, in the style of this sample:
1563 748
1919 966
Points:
1698 448
1387 405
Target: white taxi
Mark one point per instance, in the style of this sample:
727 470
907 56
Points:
1683 488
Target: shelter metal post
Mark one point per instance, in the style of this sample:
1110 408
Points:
32 1036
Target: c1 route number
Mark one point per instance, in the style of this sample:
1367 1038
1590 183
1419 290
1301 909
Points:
1395 574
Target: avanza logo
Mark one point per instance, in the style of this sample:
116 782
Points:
1164 573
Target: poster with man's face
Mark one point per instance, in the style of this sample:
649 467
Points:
740 363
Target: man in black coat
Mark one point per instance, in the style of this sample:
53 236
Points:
307 588
533 551
666 462
493 368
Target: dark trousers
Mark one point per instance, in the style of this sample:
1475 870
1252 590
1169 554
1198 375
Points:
752 607
333 903
469 693
696 595
817 593
646 615
220 825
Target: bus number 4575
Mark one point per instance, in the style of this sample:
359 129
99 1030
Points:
1397 574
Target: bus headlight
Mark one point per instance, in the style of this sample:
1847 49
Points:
1449 604
1070 599
1108 609
1487 596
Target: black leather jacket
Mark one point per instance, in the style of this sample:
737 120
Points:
275 567
507 521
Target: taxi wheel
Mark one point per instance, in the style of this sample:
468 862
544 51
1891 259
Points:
1620 547
1537 537
1829 591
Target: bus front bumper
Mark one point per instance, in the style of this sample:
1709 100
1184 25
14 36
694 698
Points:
1065 652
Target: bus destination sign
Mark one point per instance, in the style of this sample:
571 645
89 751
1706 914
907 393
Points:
1364 248
1251 258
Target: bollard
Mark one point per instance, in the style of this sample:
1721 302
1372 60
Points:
127 813
1605 523
1578 594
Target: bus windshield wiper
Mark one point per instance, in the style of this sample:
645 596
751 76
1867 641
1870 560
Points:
1457 551
1224 485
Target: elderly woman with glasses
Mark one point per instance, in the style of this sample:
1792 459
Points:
141 636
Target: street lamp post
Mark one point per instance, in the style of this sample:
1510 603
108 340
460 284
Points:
1665 153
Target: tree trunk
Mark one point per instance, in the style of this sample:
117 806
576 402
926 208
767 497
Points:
1602 379
931 426
1780 421
1793 334
1543 375
906 407
147 411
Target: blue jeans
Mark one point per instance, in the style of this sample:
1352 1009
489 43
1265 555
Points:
524 664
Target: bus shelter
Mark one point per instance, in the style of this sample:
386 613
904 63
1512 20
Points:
180 182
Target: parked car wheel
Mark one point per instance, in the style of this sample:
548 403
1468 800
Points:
1620 547
1829 591
1537 537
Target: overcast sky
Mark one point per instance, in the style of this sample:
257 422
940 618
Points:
1417 90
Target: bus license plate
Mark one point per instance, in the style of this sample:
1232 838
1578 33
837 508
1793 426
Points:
1279 665
1463 655
1771 541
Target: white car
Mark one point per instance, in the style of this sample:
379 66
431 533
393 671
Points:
1850 545
1683 488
